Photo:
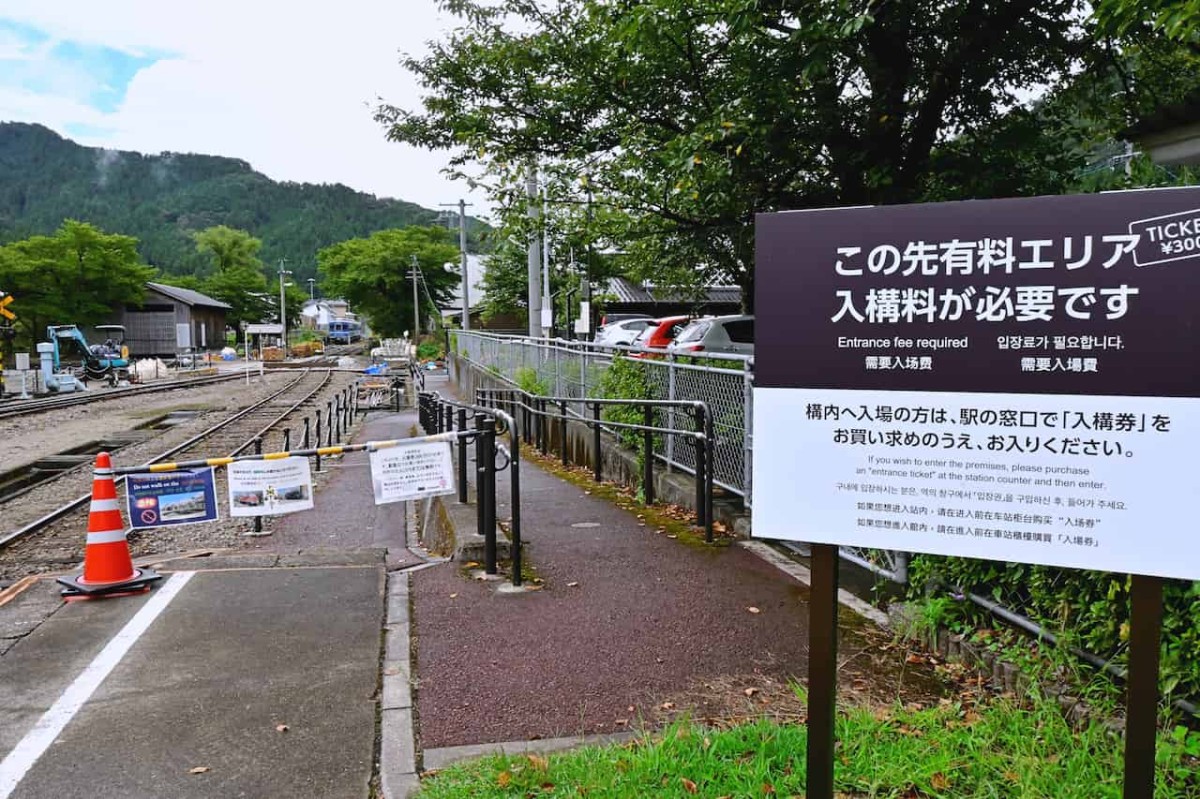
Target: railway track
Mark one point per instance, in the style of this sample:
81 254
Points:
12 408
55 541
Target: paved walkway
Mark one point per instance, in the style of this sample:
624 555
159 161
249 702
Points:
627 618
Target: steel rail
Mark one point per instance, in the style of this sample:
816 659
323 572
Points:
30 407
63 510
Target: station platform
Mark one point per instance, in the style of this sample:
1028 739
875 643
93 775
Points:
278 670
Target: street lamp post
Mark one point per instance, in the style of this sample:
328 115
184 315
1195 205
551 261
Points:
312 288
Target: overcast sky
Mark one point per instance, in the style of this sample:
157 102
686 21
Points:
289 87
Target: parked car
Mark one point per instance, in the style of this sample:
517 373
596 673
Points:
660 333
732 335
609 318
623 331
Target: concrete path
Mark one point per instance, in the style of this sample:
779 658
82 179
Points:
281 670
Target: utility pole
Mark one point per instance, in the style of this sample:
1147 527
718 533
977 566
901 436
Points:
414 272
547 303
462 247
283 306
535 256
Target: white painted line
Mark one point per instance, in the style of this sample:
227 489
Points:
800 572
39 738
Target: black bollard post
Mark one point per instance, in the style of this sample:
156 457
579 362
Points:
287 439
487 494
307 433
337 430
318 439
479 528
597 461
648 447
562 431
462 456
329 424
543 427
258 451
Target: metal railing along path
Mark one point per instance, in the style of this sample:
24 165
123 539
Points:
79 502
576 371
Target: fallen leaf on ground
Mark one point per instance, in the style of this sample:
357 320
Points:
572 585
667 706
538 762
198 770
753 609
750 691
503 779
452 596
471 564
939 781
282 728
688 785
914 658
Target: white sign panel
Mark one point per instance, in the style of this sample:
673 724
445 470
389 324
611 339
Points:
268 488
264 329
1056 480
414 471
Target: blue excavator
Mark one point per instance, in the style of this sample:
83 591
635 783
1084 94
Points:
108 362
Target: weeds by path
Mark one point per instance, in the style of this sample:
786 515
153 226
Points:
998 750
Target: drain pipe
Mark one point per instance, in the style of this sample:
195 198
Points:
1035 629
46 358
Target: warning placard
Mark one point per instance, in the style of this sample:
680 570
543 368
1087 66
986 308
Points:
268 488
170 498
414 471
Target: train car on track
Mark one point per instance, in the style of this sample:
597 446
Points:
344 331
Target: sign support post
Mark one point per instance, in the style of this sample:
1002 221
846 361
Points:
1141 715
822 671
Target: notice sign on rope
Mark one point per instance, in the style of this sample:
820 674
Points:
1007 379
169 498
269 487
415 471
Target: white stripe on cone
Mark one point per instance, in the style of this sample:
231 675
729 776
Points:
106 537
105 504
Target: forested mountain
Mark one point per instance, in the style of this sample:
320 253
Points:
163 199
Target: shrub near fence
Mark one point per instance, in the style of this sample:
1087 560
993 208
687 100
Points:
1087 609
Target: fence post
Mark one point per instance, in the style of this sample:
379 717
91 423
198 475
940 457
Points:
307 433
287 439
329 423
562 431
479 528
748 429
487 494
701 466
709 468
337 401
670 443
648 465
597 461
462 456
258 451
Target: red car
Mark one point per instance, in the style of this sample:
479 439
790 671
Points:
658 335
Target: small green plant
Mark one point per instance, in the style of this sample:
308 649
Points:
529 382
429 351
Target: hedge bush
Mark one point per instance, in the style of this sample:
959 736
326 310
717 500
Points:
1085 608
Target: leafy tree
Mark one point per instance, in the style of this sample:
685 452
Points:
372 274
76 276
228 248
690 116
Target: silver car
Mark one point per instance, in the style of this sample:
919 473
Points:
728 335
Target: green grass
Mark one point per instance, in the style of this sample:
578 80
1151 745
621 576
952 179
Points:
999 750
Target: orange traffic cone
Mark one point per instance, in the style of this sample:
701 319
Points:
107 566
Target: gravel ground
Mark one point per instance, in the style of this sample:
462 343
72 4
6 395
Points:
50 552
629 625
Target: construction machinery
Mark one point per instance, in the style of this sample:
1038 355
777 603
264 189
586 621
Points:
73 355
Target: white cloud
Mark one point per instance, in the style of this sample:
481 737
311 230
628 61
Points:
291 89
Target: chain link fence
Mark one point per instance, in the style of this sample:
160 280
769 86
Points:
724 382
